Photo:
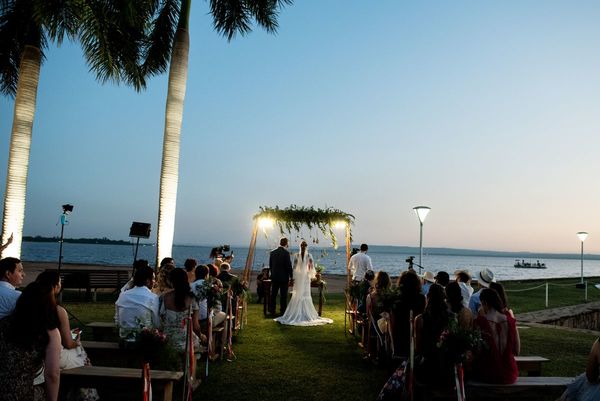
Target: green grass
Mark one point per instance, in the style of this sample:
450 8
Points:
561 292
275 362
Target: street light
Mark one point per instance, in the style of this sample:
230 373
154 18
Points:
422 212
582 236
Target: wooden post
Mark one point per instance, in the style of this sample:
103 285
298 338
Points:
250 258
348 250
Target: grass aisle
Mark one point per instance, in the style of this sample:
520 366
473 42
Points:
276 362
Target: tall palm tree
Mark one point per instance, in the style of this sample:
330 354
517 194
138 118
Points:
230 17
113 37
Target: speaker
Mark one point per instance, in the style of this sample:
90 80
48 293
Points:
140 230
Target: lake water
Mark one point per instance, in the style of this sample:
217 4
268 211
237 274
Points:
384 258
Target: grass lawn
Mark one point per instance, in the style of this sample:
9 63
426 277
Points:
275 362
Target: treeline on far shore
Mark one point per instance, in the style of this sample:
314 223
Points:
101 241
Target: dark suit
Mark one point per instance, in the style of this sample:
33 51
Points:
280 264
225 276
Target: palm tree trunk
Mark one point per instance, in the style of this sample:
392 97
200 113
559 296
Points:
169 172
20 144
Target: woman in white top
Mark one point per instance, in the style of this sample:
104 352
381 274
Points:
301 310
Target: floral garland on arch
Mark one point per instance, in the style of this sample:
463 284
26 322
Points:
294 217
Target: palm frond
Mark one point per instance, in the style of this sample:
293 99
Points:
160 39
232 17
17 29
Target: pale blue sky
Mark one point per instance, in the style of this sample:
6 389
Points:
488 112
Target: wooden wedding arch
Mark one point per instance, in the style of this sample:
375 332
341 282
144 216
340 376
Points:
294 218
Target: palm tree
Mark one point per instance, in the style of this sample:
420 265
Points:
230 17
113 37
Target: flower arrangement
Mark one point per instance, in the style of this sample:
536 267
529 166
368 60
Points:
459 344
200 291
154 348
319 268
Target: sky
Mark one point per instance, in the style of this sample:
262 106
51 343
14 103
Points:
487 112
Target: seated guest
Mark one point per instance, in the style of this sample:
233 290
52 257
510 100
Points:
72 354
30 343
411 299
496 362
499 288
175 307
381 285
586 387
225 275
364 289
136 265
463 278
260 291
202 297
456 306
163 283
190 267
432 368
428 279
138 307
11 277
214 297
442 278
484 278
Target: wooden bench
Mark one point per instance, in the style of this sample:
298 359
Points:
103 377
94 279
525 388
106 353
102 330
531 364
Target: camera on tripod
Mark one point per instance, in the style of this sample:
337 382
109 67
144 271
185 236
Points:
218 252
410 260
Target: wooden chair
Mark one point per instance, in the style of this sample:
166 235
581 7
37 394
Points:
351 314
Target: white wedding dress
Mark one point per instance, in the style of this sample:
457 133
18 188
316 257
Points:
301 310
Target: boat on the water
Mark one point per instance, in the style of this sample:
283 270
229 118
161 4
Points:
528 265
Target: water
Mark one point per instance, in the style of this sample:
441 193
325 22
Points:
384 258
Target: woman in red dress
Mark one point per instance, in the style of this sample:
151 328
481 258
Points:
496 362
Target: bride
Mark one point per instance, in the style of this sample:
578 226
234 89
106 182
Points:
301 311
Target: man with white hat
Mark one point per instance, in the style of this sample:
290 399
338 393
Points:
428 279
484 278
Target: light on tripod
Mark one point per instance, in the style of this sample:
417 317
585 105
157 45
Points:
67 208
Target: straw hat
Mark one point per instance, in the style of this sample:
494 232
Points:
485 277
428 276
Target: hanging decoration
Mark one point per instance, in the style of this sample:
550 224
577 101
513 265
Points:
294 217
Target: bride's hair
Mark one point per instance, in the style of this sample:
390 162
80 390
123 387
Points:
303 251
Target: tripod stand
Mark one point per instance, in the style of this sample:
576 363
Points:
63 220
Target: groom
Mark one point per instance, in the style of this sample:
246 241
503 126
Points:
281 272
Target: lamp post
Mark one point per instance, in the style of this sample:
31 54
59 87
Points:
421 212
582 236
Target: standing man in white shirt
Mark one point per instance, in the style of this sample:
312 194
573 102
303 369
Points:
138 307
11 277
360 263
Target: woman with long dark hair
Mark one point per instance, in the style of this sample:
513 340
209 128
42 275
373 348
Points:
456 306
30 341
175 306
432 367
496 362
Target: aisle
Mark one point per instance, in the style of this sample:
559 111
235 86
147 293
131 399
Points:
276 362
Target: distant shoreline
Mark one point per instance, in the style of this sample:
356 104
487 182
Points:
526 255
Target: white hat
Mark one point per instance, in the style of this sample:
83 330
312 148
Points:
428 276
485 277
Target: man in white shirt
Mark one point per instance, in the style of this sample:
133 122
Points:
360 263
138 307
11 277
463 278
